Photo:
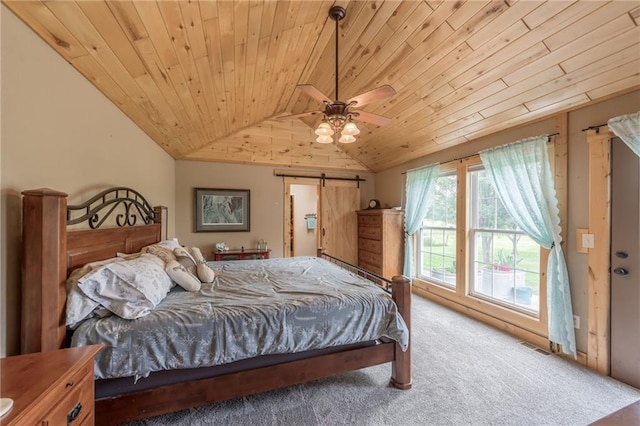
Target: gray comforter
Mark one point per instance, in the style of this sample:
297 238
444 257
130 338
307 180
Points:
254 307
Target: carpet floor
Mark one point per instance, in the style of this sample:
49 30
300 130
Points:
464 373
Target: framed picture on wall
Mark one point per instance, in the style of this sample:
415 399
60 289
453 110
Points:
221 210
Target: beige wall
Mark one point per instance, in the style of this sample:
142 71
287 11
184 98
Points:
390 183
267 198
60 132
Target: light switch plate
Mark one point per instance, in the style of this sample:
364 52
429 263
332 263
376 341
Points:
588 241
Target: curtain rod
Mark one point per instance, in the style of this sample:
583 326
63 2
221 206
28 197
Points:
324 177
596 128
469 156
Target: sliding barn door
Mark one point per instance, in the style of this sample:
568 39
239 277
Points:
339 201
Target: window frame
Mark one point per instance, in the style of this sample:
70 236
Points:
461 295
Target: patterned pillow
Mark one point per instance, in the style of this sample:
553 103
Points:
79 306
129 289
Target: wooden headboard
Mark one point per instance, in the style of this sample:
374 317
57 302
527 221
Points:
50 252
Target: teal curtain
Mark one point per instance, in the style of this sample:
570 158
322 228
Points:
627 128
522 178
419 190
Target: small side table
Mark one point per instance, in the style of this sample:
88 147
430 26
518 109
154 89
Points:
54 387
240 254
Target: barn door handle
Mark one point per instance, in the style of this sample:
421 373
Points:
621 271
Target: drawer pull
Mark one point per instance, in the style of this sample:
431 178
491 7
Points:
73 414
70 384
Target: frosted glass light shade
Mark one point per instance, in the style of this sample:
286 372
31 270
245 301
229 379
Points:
346 139
350 129
324 129
324 139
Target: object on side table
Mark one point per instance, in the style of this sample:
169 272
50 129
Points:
374 204
5 405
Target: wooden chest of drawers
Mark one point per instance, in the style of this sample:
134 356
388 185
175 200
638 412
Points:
50 388
381 241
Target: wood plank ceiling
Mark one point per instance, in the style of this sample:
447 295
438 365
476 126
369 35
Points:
205 79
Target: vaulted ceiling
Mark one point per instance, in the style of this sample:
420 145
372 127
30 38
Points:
206 79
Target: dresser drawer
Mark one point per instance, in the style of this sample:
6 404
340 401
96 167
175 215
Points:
370 232
73 380
369 257
370 220
76 404
374 246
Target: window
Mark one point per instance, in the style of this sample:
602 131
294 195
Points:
505 262
469 250
437 234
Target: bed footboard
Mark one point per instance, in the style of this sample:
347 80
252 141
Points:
400 288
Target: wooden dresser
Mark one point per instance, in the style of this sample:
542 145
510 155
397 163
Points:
49 388
381 241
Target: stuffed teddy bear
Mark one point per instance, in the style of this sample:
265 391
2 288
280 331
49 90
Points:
190 269
205 273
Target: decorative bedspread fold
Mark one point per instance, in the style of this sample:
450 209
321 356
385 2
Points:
255 307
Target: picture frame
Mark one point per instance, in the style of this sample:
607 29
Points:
221 210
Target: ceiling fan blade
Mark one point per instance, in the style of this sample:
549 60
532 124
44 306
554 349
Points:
311 91
372 118
376 94
302 114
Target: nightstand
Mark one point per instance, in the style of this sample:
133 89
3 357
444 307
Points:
240 254
50 388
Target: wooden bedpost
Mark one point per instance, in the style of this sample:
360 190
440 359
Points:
401 367
44 269
160 216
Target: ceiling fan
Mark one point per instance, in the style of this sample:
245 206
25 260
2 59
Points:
337 115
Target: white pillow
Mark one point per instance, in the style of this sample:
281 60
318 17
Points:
129 289
79 306
182 276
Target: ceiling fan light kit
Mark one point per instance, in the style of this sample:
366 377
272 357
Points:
324 129
338 116
351 129
347 139
324 139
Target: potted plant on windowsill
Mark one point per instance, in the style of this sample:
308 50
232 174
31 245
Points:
501 277
445 274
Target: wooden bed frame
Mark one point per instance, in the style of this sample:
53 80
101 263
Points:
51 252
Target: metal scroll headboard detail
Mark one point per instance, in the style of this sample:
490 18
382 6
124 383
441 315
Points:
128 201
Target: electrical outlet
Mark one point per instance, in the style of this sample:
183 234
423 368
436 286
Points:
576 322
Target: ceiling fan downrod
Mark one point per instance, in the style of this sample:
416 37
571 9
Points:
337 13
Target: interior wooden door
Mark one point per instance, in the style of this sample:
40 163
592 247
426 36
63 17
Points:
625 264
289 225
339 201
